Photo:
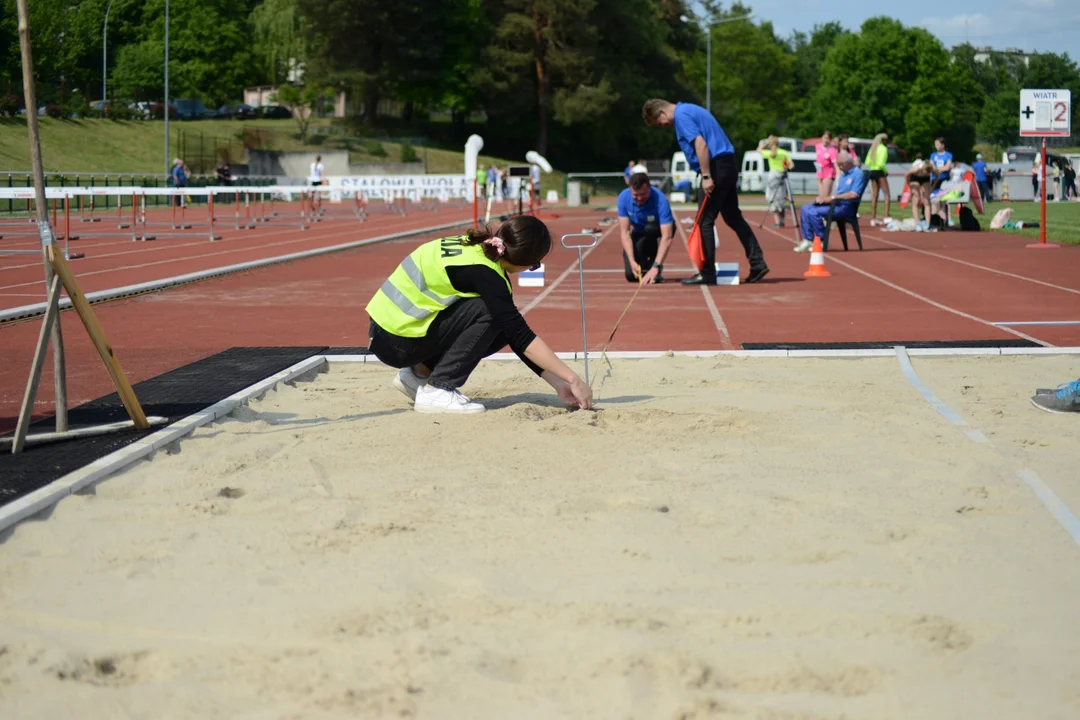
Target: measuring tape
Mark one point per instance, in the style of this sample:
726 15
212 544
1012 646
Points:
603 353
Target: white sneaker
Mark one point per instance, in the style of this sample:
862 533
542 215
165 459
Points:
804 246
436 400
408 382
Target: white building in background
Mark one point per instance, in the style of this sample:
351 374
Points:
982 54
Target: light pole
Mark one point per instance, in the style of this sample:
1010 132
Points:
104 53
708 52
166 87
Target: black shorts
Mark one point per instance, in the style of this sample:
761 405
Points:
919 179
877 174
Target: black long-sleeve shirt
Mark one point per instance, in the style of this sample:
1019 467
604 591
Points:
492 289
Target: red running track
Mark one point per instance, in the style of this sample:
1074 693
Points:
903 287
112 259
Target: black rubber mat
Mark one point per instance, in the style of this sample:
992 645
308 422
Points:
174 395
347 351
910 344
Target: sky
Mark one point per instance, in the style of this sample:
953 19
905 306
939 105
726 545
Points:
1031 25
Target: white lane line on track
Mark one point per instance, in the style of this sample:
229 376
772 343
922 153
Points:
197 240
227 251
971 264
923 298
547 291
718 321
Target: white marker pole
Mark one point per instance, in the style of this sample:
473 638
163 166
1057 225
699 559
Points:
581 277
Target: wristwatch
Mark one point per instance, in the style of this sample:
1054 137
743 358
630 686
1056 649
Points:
706 176
659 267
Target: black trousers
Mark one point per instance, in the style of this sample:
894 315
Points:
724 201
457 340
646 245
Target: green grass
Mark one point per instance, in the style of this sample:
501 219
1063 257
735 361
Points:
1062 219
110 146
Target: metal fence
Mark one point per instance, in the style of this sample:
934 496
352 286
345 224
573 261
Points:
20 179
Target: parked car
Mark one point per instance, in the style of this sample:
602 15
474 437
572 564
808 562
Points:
193 109
240 111
279 112
157 111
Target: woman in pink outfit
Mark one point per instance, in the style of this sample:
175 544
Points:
826 161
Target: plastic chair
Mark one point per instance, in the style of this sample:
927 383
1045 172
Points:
841 226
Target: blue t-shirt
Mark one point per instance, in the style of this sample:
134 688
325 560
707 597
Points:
694 120
980 170
854 181
179 176
938 160
656 209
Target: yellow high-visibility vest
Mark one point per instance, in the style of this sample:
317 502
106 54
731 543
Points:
419 287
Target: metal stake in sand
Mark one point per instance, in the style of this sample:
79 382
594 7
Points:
581 276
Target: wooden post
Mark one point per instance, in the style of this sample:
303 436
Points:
97 336
52 309
56 337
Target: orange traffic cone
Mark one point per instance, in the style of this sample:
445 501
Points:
817 261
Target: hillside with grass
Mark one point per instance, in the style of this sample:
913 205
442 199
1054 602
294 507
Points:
100 146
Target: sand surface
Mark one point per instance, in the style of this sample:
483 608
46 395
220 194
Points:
726 538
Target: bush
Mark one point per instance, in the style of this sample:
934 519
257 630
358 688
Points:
374 147
54 111
408 155
9 105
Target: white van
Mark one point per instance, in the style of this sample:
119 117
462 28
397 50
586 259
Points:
754 173
681 172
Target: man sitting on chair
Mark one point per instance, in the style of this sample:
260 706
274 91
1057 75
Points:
847 194
647 228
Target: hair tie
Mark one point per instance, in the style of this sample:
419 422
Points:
497 243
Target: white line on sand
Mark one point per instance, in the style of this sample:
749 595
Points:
1054 504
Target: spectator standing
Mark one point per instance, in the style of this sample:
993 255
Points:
876 160
780 162
178 176
825 157
318 170
980 177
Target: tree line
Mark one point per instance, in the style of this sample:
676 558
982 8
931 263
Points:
564 77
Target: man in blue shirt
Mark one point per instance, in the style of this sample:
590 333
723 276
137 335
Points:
709 151
847 195
980 177
647 228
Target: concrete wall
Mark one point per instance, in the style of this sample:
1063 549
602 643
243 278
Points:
417 168
296 164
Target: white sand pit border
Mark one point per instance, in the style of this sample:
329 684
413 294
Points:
99 470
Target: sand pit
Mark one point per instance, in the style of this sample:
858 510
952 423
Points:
726 538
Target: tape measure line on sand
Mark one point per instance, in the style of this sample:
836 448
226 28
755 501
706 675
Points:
603 353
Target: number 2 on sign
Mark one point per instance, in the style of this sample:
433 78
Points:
1060 109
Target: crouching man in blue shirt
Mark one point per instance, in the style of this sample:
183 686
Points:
709 151
847 194
647 228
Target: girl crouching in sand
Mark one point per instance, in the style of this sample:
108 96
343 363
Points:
450 304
